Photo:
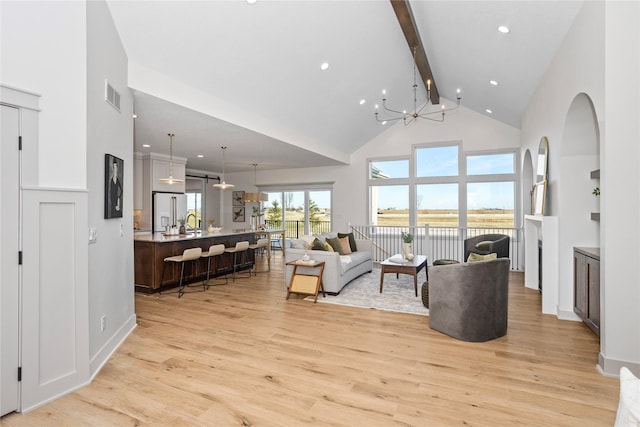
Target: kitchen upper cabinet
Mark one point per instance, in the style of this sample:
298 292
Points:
160 169
148 169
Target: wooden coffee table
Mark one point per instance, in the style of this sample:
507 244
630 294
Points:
408 267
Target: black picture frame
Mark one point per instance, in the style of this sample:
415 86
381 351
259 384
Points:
237 198
238 214
113 188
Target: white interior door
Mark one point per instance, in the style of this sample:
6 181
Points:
9 245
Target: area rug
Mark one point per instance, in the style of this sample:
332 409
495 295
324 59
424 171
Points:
397 294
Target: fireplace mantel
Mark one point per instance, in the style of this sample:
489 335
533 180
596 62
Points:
545 228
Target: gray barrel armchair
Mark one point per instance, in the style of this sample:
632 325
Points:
485 244
469 301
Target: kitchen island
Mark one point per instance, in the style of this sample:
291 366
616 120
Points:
151 249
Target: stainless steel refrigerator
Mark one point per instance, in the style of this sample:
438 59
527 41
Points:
168 208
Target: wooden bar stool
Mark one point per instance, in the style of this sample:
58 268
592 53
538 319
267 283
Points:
192 254
260 245
215 252
242 249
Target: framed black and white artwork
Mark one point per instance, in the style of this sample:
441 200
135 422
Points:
237 197
113 186
238 214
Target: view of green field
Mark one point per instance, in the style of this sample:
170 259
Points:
485 218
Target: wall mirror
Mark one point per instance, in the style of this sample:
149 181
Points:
539 190
538 198
543 160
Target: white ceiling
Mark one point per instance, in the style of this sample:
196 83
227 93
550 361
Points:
264 60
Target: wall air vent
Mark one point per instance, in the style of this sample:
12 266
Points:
111 95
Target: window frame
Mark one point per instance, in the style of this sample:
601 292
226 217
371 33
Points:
462 179
305 189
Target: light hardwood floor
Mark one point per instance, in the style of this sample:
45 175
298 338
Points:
242 355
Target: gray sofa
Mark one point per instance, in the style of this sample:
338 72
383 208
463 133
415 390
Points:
469 301
339 269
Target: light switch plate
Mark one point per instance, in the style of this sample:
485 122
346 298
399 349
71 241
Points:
93 235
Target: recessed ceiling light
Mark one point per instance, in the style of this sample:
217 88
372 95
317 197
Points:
384 123
135 116
324 66
146 145
362 101
251 1
489 111
200 155
503 29
493 82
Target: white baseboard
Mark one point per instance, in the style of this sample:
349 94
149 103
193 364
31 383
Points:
567 315
107 350
611 367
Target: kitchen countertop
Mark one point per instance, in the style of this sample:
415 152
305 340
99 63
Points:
161 237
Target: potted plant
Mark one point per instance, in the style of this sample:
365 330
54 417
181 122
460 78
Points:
257 213
182 222
407 247
406 237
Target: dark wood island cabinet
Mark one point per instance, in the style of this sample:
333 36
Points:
150 250
586 286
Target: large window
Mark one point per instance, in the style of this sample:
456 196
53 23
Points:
491 190
442 186
490 204
389 169
390 204
437 205
490 164
437 161
299 212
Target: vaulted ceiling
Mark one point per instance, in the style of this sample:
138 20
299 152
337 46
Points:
255 84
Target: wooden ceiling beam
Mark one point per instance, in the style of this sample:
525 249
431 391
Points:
403 12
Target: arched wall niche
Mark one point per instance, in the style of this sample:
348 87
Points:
579 156
573 201
581 136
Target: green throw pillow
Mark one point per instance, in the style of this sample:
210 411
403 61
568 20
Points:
335 244
352 240
477 257
318 245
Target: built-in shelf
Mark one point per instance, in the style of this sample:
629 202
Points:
595 174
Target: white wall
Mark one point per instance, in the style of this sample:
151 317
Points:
620 156
599 58
108 131
477 132
577 68
44 50
49 48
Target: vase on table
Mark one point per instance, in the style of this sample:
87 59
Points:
407 251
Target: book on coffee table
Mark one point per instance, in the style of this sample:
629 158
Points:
398 259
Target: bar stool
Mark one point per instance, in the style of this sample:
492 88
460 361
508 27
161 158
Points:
215 251
260 245
192 254
240 248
